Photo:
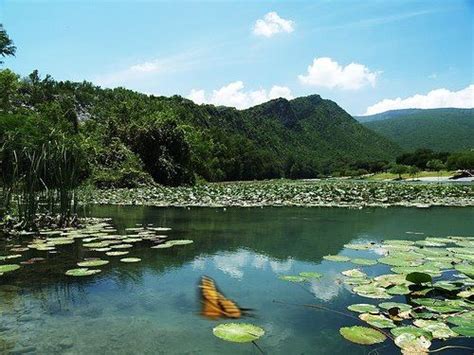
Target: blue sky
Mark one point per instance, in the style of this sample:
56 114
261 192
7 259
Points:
242 53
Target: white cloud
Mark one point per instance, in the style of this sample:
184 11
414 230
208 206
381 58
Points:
271 24
233 95
145 71
434 99
328 73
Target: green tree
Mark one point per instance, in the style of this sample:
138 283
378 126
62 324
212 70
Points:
6 44
435 164
399 170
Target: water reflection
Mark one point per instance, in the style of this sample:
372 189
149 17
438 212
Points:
150 307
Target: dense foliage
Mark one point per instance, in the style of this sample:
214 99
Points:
441 129
132 139
426 159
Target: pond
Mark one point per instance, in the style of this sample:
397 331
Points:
153 306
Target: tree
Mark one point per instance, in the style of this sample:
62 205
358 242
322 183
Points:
435 164
399 170
6 44
413 171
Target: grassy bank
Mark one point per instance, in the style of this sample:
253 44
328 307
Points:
421 174
292 193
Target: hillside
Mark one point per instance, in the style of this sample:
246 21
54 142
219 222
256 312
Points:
129 137
444 129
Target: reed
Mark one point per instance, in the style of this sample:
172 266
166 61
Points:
41 180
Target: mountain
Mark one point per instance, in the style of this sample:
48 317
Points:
130 137
443 129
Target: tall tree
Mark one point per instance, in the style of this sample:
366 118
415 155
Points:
6 44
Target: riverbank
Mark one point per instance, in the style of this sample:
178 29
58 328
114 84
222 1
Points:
323 193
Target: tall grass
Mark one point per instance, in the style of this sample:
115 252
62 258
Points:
41 179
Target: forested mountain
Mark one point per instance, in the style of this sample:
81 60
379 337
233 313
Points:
444 129
129 138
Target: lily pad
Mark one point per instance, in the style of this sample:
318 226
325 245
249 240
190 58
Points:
82 272
466 269
401 306
362 261
354 273
180 242
92 263
292 278
116 253
439 330
371 291
130 260
8 268
412 344
398 290
339 258
467 331
311 275
363 308
377 321
238 332
410 329
419 278
362 335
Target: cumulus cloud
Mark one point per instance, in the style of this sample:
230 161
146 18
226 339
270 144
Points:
434 99
328 73
271 24
233 94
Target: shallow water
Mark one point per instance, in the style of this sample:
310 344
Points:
153 306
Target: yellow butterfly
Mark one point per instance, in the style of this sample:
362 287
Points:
215 304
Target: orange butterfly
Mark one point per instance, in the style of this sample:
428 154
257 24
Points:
215 304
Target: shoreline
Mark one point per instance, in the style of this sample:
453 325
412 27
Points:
300 193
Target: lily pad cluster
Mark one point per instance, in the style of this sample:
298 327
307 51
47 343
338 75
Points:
98 239
435 276
292 193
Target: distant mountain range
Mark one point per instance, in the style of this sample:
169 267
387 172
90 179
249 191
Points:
443 129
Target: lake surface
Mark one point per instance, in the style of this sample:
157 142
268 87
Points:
153 306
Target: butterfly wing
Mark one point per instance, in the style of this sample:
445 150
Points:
214 303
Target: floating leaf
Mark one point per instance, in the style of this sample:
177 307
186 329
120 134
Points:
410 329
362 335
412 344
401 306
82 272
339 258
130 260
466 269
354 273
467 331
371 291
180 242
398 261
362 261
377 321
8 268
419 278
116 253
363 308
439 330
238 332
92 263
310 275
292 278
398 290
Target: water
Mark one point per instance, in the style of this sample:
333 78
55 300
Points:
153 307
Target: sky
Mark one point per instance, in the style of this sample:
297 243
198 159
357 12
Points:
368 56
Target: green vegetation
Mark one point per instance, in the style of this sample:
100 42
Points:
292 193
444 129
132 139
438 304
